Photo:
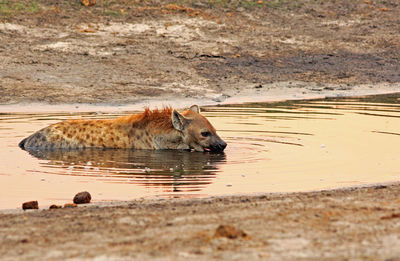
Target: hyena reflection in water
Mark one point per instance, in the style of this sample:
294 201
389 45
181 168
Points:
152 129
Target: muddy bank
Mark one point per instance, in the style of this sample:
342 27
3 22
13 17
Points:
356 223
127 52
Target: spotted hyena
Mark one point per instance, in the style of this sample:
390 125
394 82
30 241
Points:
152 129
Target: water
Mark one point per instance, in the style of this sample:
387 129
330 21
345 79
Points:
278 147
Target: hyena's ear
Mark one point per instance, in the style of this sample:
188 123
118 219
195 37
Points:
179 121
195 108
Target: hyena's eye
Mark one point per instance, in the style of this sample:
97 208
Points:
205 133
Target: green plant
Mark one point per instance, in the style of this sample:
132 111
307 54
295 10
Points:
11 8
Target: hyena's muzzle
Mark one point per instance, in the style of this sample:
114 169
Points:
216 144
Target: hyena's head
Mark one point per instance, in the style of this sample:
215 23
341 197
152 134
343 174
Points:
198 133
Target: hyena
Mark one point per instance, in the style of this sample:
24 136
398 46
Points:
152 129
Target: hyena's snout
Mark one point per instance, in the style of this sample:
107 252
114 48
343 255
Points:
218 145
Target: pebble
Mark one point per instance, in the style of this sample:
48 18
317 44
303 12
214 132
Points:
55 206
70 205
229 231
30 205
82 198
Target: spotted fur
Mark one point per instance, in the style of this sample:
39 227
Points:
152 129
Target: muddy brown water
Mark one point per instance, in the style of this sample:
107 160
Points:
272 147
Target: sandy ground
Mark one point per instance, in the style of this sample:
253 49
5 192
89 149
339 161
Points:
128 52
355 224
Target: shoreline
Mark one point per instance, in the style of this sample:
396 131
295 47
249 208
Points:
352 223
269 94
154 199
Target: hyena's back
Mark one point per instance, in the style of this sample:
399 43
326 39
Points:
76 134
38 139
54 137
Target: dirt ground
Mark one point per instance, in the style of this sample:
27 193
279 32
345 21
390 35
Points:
125 52
128 51
355 224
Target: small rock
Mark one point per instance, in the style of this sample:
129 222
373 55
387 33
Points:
55 206
70 205
82 198
88 2
30 205
229 231
394 215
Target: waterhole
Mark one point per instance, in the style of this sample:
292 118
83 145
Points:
272 147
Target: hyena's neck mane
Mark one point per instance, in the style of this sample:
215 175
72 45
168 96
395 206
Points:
157 119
